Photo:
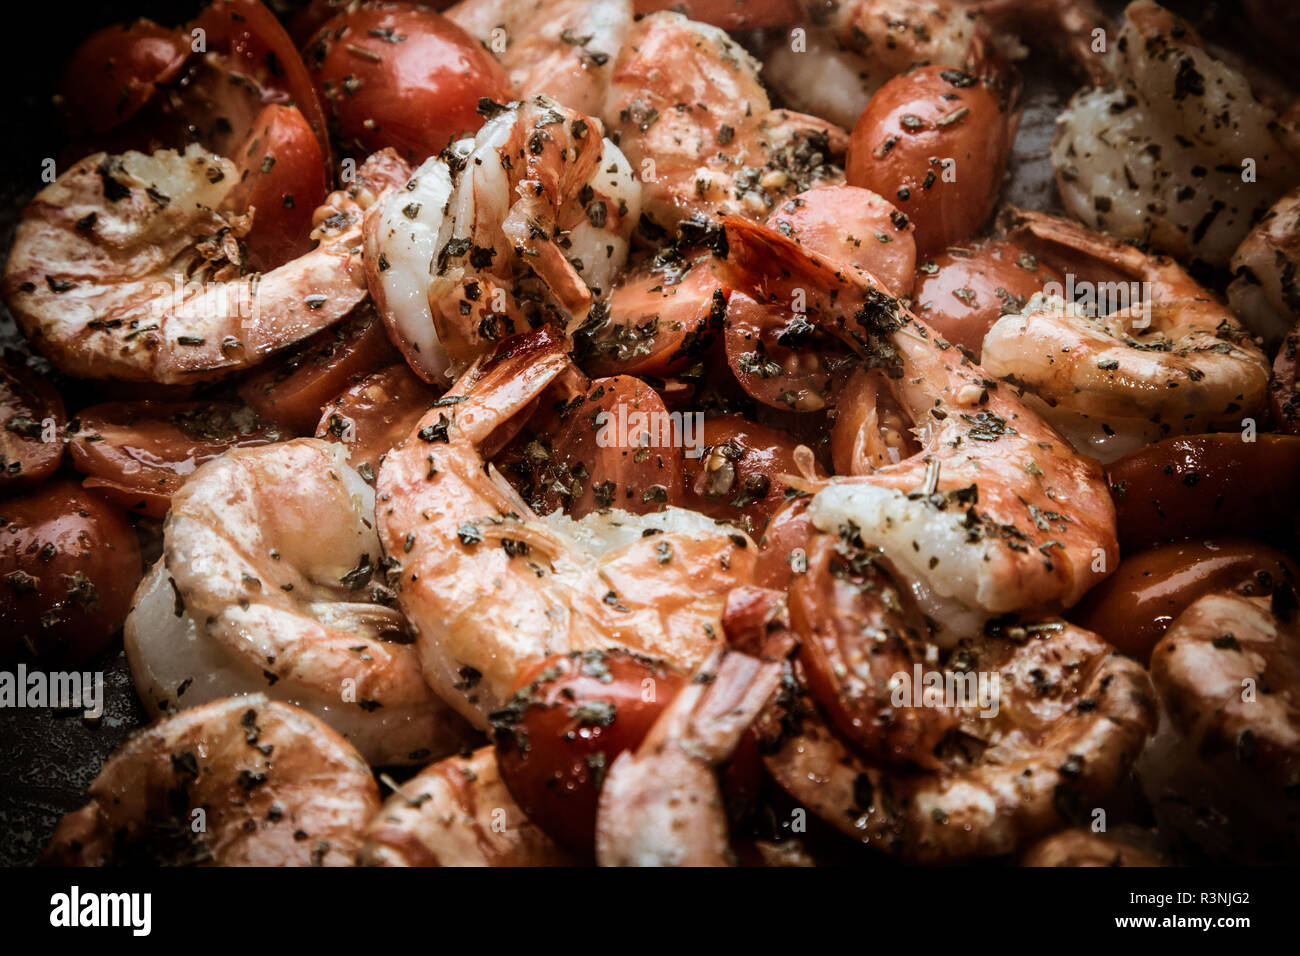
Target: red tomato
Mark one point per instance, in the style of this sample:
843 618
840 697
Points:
395 74
293 390
870 429
282 178
138 454
783 549
31 427
569 719
915 123
962 291
729 14
1135 606
375 414
777 355
69 564
116 70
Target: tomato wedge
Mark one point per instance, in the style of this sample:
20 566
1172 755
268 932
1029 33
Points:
375 414
31 427
778 356
116 71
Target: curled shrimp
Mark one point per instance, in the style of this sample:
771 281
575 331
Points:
1080 846
661 804
489 587
564 49
271 581
451 258
1265 293
126 267
242 781
1168 359
994 511
686 107
456 812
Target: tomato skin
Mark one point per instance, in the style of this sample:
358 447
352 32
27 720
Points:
116 70
570 718
292 391
1208 486
138 454
783 549
27 402
909 127
1134 607
375 414
282 177
415 95
962 291
69 564
729 14
793 377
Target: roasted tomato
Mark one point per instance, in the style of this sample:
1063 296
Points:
118 69
375 414
737 475
569 719
783 548
396 74
292 391
870 428
139 453
729 14
1135 606
1208 486
963 290
935 142
69 563
31 427
855 226
778 356
282 179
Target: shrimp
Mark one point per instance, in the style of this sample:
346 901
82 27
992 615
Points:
528 221
1265 293
1179 153
1077 26
1082 847
1224 770
271 582
686 107
661 805
489 587
242 781
125 267
994 512
564 49
1167 359
456 812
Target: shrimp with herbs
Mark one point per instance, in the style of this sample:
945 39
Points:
1265 291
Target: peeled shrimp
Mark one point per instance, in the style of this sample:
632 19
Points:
688 110
490 587
271 581
242 781
451 257
1265 295
564 49
1170 359
125 267
661 805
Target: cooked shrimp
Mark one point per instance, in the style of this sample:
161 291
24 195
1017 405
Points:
271 582
1265 295
1082 847
450 258
125 267
456 812
1072 24
994 512
1224 770
242 781
1162 156
564 49
661 805
489 587
1168 359
688 110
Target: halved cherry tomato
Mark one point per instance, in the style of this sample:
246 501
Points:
935 140
1135 606
738 474
855 226
1284 386
375 414
31 427
395 74
118 69
777 355
282 178
963 290
292 391
870 428
569 719
69 564
783 549
1208 486
729 14
138 454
